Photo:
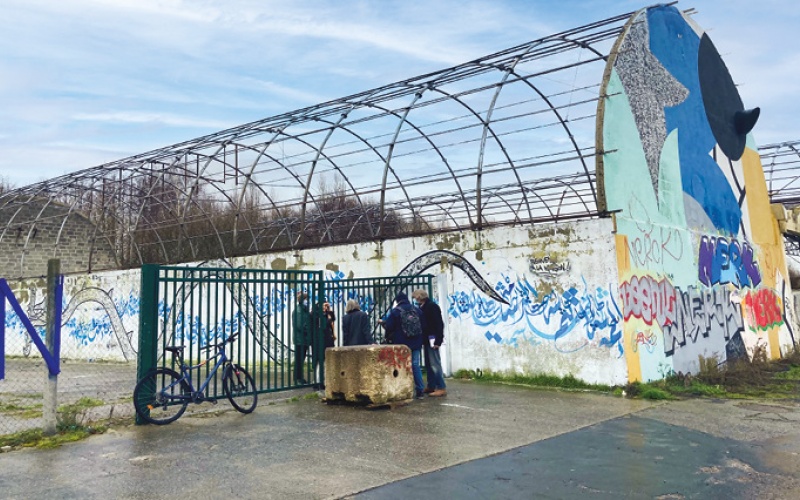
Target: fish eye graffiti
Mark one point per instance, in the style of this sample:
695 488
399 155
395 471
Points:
701 268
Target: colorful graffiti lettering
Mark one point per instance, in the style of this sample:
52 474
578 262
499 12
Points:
721 261
646 340
648 299
552 317
763 309
702 312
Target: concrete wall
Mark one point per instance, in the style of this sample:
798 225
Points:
559 281
701 260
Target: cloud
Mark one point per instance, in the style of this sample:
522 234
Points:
84 80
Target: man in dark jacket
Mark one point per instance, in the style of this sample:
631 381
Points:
356 329
401 333
301 336
433 332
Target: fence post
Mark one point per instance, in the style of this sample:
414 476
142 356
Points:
148 323
50 393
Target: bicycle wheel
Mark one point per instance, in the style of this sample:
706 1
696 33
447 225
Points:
153 395
240 388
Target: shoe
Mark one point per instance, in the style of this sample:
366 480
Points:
428 390
421 395
438 393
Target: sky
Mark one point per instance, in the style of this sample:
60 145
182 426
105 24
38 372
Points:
84 82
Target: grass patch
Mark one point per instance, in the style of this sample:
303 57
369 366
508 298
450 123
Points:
793 373
17 410
540 380
756 378
71 417
35 438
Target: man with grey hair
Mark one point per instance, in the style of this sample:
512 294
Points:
433 330
356 329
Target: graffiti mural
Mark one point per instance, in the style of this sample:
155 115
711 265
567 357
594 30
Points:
723 261
699 252
579 315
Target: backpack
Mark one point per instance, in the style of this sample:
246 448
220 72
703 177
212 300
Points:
410 322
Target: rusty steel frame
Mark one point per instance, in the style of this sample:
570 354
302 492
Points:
505 139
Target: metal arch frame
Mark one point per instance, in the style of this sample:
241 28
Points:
496 199
770 153
428 139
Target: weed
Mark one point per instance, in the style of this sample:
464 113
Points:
72 416
655 393
17 410
540 380
36 438
793 373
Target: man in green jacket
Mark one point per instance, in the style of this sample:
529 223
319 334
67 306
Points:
301 335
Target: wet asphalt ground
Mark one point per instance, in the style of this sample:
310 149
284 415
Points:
481 441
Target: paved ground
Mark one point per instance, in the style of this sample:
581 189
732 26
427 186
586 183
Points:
482 441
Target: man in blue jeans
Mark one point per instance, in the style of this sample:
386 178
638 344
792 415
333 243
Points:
433 331
403 325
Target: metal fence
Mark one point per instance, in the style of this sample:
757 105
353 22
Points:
197 307
191 307
374 296
87 390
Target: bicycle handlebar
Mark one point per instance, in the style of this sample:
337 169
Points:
229 340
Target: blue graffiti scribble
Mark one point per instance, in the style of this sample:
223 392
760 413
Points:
552 317
89 331
493 336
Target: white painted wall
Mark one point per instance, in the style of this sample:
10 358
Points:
563 315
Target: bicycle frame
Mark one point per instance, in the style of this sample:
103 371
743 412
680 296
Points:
186 370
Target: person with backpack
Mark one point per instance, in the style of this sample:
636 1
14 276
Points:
403 325
434 336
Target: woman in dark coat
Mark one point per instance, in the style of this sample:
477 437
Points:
356 329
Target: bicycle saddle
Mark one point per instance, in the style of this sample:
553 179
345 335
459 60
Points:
176 348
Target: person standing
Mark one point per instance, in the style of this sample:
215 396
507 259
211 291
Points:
433 333
404 326
301 336
356 329
330 319
322 337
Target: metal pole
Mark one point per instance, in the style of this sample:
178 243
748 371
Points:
148 323
50 393
444 305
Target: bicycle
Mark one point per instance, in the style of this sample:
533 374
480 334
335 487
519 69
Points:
161 397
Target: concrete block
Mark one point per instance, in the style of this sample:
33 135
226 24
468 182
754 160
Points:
369 374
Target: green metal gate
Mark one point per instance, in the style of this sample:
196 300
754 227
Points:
199 306
374 295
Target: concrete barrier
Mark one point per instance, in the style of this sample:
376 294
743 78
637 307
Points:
369 374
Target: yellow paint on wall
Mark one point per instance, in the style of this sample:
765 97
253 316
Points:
766 234
628 327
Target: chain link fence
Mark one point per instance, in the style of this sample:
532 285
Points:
97 360
87 392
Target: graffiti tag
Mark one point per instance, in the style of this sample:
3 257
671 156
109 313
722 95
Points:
763 309
547 267
702 312
721 261
648 299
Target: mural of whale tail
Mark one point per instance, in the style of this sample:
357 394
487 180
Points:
430 259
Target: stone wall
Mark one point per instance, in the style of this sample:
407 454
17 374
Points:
31 236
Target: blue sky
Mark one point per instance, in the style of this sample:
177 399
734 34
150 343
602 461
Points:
83 82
